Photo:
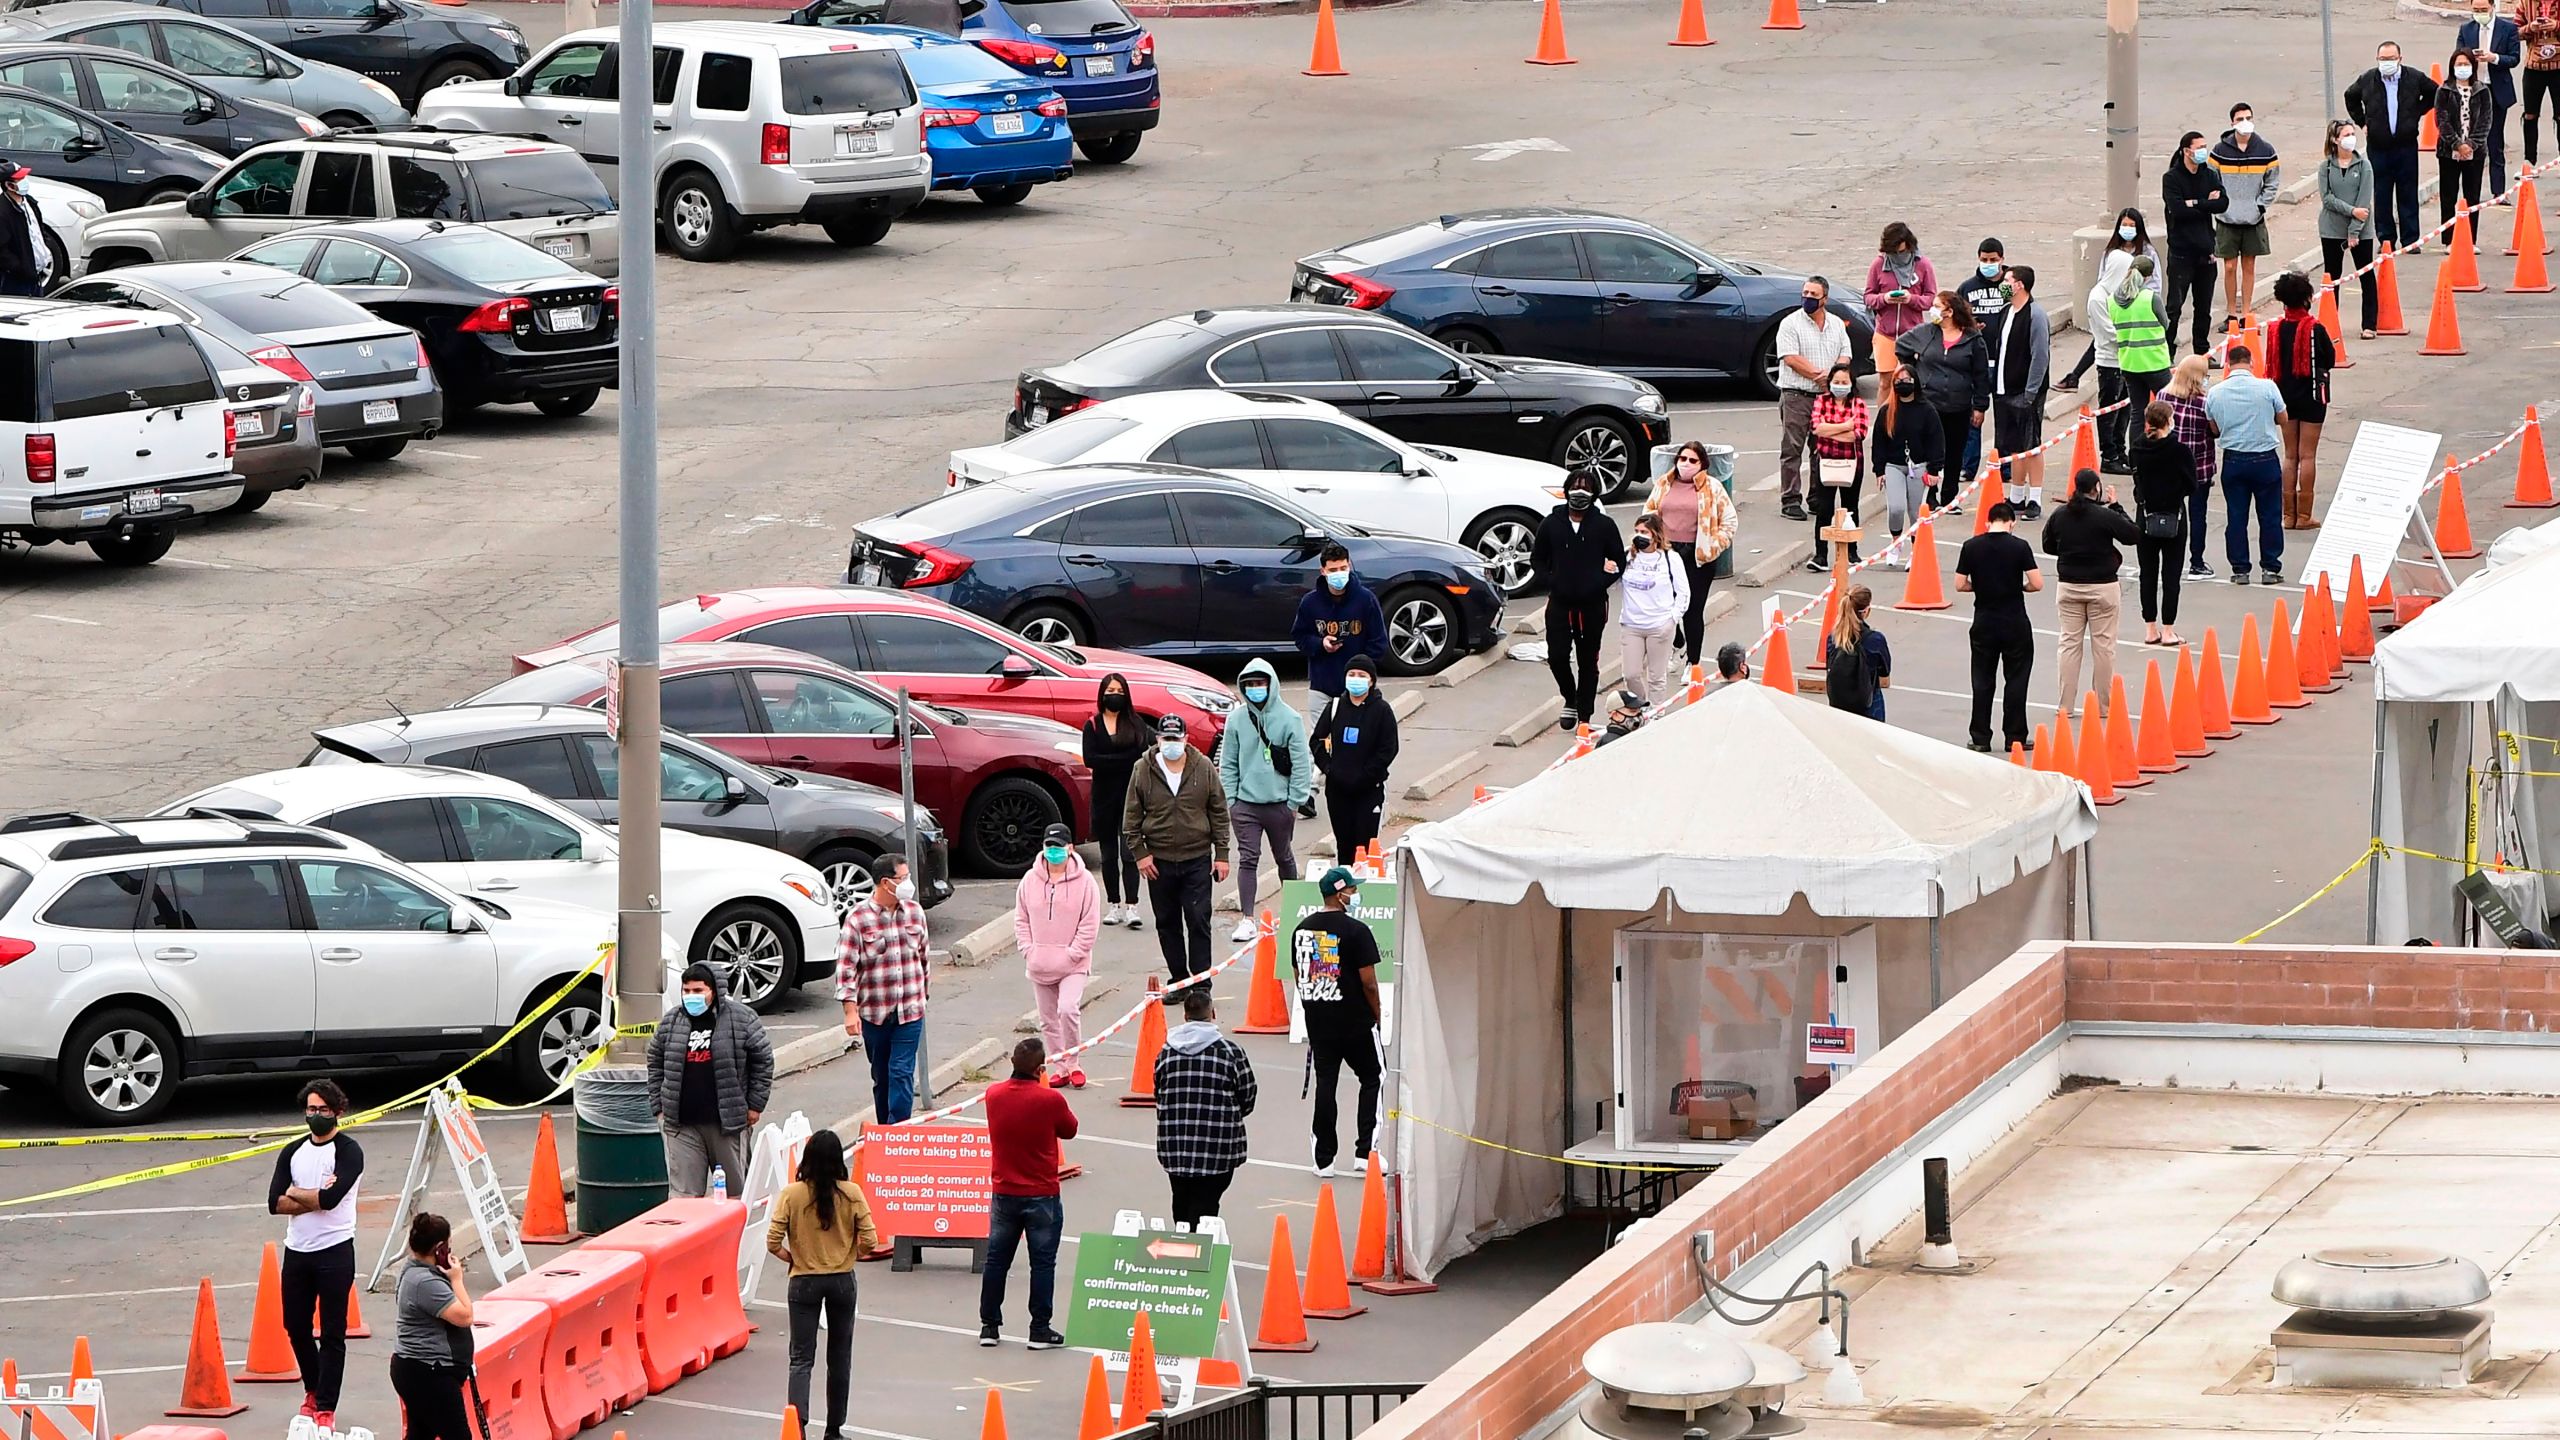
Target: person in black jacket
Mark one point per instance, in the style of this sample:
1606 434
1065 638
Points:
1907 448
2391 102
1114 741
1577 556
2082 538
26 261
1355 743
2190 196
2164 478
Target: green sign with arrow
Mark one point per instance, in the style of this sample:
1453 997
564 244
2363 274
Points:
1178 1278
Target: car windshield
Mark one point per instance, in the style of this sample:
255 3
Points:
955 512
956 65
1061 441
567 683
1051 18
1136 357
491 257
532 184
267 306
843 82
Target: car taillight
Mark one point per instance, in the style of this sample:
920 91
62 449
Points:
281 358
613 300
934 566
943 119
1145 54
230 434
15 949
498 317
309 404
1365 294
1054 108
1027 54
950 479
40 460
1080 402
777 144
424 368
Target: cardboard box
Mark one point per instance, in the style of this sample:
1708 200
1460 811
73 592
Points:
1723 1117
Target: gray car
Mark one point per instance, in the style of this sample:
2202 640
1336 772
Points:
376 390
277 445
224 58
842 827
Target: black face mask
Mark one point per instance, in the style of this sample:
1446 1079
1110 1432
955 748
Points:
1906 393
1578 499
320 1124
1115 701
1643 541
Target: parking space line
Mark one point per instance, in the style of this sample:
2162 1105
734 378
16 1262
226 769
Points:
445 454
774 1415
127 1370
1149 1146
6 1215
1953 695
199 564
64 619
119 1294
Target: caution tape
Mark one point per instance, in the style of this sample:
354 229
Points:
1542 1155
2376 850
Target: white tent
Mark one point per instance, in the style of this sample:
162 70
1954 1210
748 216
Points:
1750 814
2481 661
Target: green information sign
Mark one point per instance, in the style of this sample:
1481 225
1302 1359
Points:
1377 906
1178 1278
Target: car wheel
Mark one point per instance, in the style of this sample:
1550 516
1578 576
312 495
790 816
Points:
696 222
1603 447
855 234
137 549
451 72
753 949
1002 195
119 1068
167 193
1503 539
1466 340
848 871
1111 149
1422 631
250 502
1006 818
1051 625
61 257
1764 365
116 260
562 404
558 1043
378 449
344 120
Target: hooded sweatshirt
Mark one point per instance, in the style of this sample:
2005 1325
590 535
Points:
1253 731
1352 617
1357 742
1204 1090
2251 178
1055 920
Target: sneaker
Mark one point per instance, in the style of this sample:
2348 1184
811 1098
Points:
2034 511
2027 742
2239 577
1135 921
1075 1078
1952 507
1362 1167
1978 747
1057 1081
1323 1165
327 1420
1245 930
2198 570
1794 510
987 1337
1818 565
1044 1338
1567 721
2270 577
310 1405
2214 362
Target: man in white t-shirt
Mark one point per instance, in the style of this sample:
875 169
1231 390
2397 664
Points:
1810 341
314 1188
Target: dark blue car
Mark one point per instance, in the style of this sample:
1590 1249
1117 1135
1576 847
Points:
987 128
1576 285
1101 62
1168 560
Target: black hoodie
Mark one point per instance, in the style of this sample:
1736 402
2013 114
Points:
1355 743
1568 559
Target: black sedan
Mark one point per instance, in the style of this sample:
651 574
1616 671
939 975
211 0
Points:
843 827
1575 285
1378 370
1169 560
503 321
149 98
123 168
410 47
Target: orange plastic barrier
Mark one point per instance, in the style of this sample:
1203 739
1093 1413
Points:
690 1314
509 1339
176 1432
591 1363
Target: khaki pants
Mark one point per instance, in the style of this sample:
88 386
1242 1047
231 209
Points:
1648 655
2088 615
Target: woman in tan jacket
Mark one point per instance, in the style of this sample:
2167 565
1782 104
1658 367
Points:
820 1227
1698 521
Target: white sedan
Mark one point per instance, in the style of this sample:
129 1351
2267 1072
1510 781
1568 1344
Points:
765 920
1310 452
68 209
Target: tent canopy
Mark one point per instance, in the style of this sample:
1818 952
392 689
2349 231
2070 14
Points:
1778 796
2493 632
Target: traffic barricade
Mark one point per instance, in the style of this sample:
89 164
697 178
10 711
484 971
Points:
509 1340
176 1432
690 1311
591 1363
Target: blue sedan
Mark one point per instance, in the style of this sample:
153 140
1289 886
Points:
988 128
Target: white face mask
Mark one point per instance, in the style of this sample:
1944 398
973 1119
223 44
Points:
2390 69
1934 315
2244 128
2461 72
2346 142
907 891
1842 391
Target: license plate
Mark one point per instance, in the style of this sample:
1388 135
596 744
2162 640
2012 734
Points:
1008 125
560 245
857 142
1102 65
1039 415
249 425
866 573
142 502
573 318
381 412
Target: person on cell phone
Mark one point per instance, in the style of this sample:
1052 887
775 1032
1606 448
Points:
431 1347
314 1188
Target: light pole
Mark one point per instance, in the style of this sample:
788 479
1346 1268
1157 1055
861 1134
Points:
638 929
2329 59
2124 107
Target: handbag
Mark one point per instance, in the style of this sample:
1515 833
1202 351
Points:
2161 524
1281 763
1839 474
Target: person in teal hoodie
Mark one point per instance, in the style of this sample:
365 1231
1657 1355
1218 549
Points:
1268 772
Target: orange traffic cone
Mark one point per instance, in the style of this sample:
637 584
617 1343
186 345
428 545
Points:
2284 668
2453 517
2311 649
1780 671
1283 1326
356 1328
2096 770
205 1393
2462 252
2329 322
1328 1294
546 1209
2062 753
1923 589
1326 59
2156 750
1369 1251
2383 602
2186 712
1142 1076
2043 763
2355 629
2249 688
2330 650
1986 488
2387 319
2533 468
1144 1394
2427 117
2213 707
1551 38
1693 692
2124 764
990 1428
82 1367
1830 618
2018 754
1783 16
2084 441
1266 1005
2444 328
1693 25
1097 1403
791 1423
9 1379
270 1359
2532 276
2528 204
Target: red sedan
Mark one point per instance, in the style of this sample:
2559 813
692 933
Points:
1007 778
938 651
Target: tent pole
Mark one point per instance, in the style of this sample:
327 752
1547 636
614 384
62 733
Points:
1564 948
2089 883
2373 868
1937 907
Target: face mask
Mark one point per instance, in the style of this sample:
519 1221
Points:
1356 686
2244 128
2008 290
2461 72
906 891
2124 232
2346 144
1054 854
1337 580
1578 499
321 1124
1811 303
1257 693
1169 749
2390 69
697 1005
1643 541
1841 392
1934 315
1906 393
1687 465
1990 269
2199 154
1115 700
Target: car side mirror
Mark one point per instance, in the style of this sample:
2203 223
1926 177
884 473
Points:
200 203
514 85
1015 669
1708 279
81 147
462 922
1464 380
199 113
733 787
382 15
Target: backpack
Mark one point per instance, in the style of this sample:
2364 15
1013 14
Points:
1844 677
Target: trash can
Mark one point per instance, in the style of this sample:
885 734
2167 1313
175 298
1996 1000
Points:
1720 465
622 1164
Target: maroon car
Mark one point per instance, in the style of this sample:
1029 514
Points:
1007 778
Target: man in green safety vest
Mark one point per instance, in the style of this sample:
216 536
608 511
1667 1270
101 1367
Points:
2142 337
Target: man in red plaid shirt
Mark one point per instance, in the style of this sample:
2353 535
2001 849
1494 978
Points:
880 977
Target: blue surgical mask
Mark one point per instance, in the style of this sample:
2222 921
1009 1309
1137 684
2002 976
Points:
1356 686
1054 854
2124 232
1811 303
1169 749
2199 154
1337 580
697 1005
1990 269
1257 693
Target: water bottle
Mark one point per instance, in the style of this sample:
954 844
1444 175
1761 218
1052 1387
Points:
719 1183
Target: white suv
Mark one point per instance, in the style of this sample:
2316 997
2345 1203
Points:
138 953
766 921
758 125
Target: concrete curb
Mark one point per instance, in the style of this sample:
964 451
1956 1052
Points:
1414 699
1466 670
1432 785
985 943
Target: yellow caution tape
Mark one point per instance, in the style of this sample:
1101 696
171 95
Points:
1555 1159
2372 850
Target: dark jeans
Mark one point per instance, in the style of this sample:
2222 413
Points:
2004 653
2191 279
28 286
2395 195
1328 1053
1009 1219
1119 867
1960 434
2140 387
1574 628
2333 256
809 1295
2497 150
1828 501
2112 425
1354 811
2199 509
1693 623
319 1280
2541 96
1180 893
2253 478
431 1397
2458 178
2160 577
1197 1195
892 1048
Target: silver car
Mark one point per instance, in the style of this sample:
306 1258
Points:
274 420
225 59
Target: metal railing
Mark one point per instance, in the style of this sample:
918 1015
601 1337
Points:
1269 1410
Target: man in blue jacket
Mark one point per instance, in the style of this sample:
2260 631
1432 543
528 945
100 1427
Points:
2505 45
1338 619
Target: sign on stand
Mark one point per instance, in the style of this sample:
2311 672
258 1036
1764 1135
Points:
449 1119
1185 1282
772 1160
2378 493
929 1185
1376 908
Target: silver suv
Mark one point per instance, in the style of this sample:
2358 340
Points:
758 125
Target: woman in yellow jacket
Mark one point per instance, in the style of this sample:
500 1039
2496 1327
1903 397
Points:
1698 522
820 1227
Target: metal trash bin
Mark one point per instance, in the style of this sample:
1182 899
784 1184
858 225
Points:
622 1163
1720 465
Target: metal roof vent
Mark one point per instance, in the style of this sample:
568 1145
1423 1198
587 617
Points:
1773 1370
1664 1382
2381 1317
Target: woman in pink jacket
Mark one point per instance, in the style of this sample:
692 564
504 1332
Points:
1057 910
1900 282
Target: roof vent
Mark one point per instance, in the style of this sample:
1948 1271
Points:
1773 1370
1664 1382
2381 1317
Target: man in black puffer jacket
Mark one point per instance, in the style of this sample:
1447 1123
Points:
1577 556
710 1077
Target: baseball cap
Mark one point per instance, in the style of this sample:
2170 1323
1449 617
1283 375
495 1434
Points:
1336 880
1058 835
13 169
1172 728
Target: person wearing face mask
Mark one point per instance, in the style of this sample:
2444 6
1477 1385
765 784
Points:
1657 594
2142 350
2538 35
1115 740
2299 358
1177 824
1577 556
2391 102
2098 313
1907 449
710 1076
1900 281
883 982
1355 744
2254 177
1952 363
2164 486
2464 113
2190 196
26 261
1337 618
1057 911
2346 214
1810 341
1268 774
2498 47
1698 524
2132 238
314 1188
2246 414
1840 454
1981 290
1626 716
2021 371
2193 430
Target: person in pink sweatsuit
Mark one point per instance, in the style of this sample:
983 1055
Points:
1057 910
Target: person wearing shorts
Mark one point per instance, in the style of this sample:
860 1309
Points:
2251 177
